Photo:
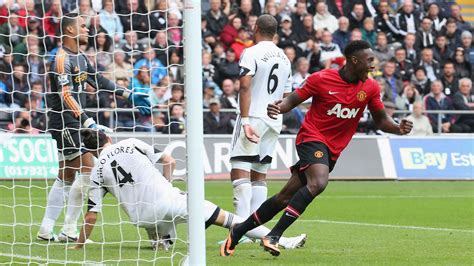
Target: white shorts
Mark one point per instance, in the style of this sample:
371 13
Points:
244 150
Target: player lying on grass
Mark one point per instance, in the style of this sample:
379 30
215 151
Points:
339 99
126 170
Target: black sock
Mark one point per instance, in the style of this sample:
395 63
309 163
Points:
295 208
263 214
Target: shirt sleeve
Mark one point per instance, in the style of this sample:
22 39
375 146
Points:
247 64
288 84
149 151
96 193
309 87
375 102
99 82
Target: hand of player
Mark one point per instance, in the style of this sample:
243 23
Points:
405 126
140 100
90 123
251 134
273 109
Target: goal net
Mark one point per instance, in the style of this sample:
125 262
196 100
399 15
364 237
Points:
135 43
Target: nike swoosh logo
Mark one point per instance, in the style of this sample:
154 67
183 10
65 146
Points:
333 92
287 214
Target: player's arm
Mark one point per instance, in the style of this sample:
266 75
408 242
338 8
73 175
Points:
169 164
248 67
386 123
89 222
99 82
284 106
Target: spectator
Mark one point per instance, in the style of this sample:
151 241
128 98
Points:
5 97
176 67
339 8
307 32
431 66
241 42
177 95
135 20
342 35
216 18
395 84
433 14
409 96
356 35
209 72
85 11
228 98
157 69
464 100
421 81
103 48
441 50
157 18
466 43
421 123
298 16
329 50
302 68
449 79
6 62
356 17
20 51
437 100
368 31
290 52
462 25
385 22
175 122
425 37
409 45
382 50
36 66
323 19
110 21
208 94
230 68
119 68
292 121
216 122
18 85
28 10
174 29
157 96
390 109
141 83
407 20
132 48
160 45
52 18
404 67
230 31
286 34
252 22
453 34
246 9
11 33
385 91
462 66
218 54
37 94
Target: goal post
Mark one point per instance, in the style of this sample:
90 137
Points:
194 138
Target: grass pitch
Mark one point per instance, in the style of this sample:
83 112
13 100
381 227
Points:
352 223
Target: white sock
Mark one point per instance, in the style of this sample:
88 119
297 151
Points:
242 196
54 205
259 195
78 193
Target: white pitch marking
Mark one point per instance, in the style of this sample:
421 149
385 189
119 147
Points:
37 258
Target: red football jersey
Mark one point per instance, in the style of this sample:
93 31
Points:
336 108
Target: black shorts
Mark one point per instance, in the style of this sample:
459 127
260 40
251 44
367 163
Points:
65 130
311 153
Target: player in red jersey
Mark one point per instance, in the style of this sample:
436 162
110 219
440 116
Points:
339 99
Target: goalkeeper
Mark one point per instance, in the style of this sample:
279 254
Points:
68 75
126 170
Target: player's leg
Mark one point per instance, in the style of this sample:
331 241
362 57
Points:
264 213
77 195
315 157
68 165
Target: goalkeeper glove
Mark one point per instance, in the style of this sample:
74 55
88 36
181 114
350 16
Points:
90 123
140 100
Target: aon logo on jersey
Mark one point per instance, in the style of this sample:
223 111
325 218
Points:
344 113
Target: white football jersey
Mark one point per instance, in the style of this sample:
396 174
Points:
126 170
271 72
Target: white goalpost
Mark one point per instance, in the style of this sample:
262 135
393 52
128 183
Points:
194 140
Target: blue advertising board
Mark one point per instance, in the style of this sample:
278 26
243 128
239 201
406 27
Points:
433 158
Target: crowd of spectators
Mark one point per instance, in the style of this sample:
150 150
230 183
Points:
423 49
